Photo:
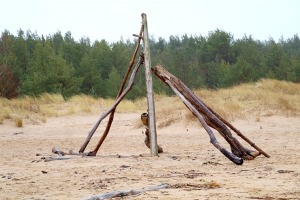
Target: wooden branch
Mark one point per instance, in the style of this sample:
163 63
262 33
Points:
210 118
213 139
123 193
111 117
226 123
237 132
48 159
149 86
118 100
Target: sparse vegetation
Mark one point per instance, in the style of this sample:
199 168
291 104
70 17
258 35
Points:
19 122
263 98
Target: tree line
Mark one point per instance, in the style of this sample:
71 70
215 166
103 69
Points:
31 64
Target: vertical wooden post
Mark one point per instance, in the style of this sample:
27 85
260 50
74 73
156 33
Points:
150 99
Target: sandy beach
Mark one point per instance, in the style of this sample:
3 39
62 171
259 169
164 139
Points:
192 166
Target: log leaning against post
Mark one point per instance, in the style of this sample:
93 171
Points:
207 118
111 117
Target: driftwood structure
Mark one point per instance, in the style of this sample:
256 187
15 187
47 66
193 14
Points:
206 116
209 118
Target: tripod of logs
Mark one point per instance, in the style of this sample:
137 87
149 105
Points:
206 116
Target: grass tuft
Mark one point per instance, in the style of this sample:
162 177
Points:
19 122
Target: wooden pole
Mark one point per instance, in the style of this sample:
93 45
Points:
150 99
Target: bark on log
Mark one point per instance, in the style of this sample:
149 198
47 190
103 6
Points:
209 117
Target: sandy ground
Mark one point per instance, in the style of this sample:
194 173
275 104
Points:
192 166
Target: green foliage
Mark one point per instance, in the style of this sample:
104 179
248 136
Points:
92 83
113 83
58 64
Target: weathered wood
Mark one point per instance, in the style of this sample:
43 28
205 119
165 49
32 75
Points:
111 117
118 100
212 137
209 117
58 152
123 193
48 159
198 101
238 132
150 98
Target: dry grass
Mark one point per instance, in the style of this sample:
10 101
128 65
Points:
19 122
263 98
38 109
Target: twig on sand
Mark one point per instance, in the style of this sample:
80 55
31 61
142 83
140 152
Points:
122 193
47 159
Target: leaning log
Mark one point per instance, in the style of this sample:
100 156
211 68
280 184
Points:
111 117
114 106
200 110
212 137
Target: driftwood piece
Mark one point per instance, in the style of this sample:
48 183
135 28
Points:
149 86
193 102
238 132
48 159
111 117
60 153
57 151
118 100
212 137
223 124
123 193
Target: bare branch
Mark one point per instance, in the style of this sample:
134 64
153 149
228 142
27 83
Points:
207 117
112 109
123 193
111 117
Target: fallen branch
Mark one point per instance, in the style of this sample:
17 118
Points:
123 193
212 137
112 109
47 159
111 117
213 113
238 132
207 117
